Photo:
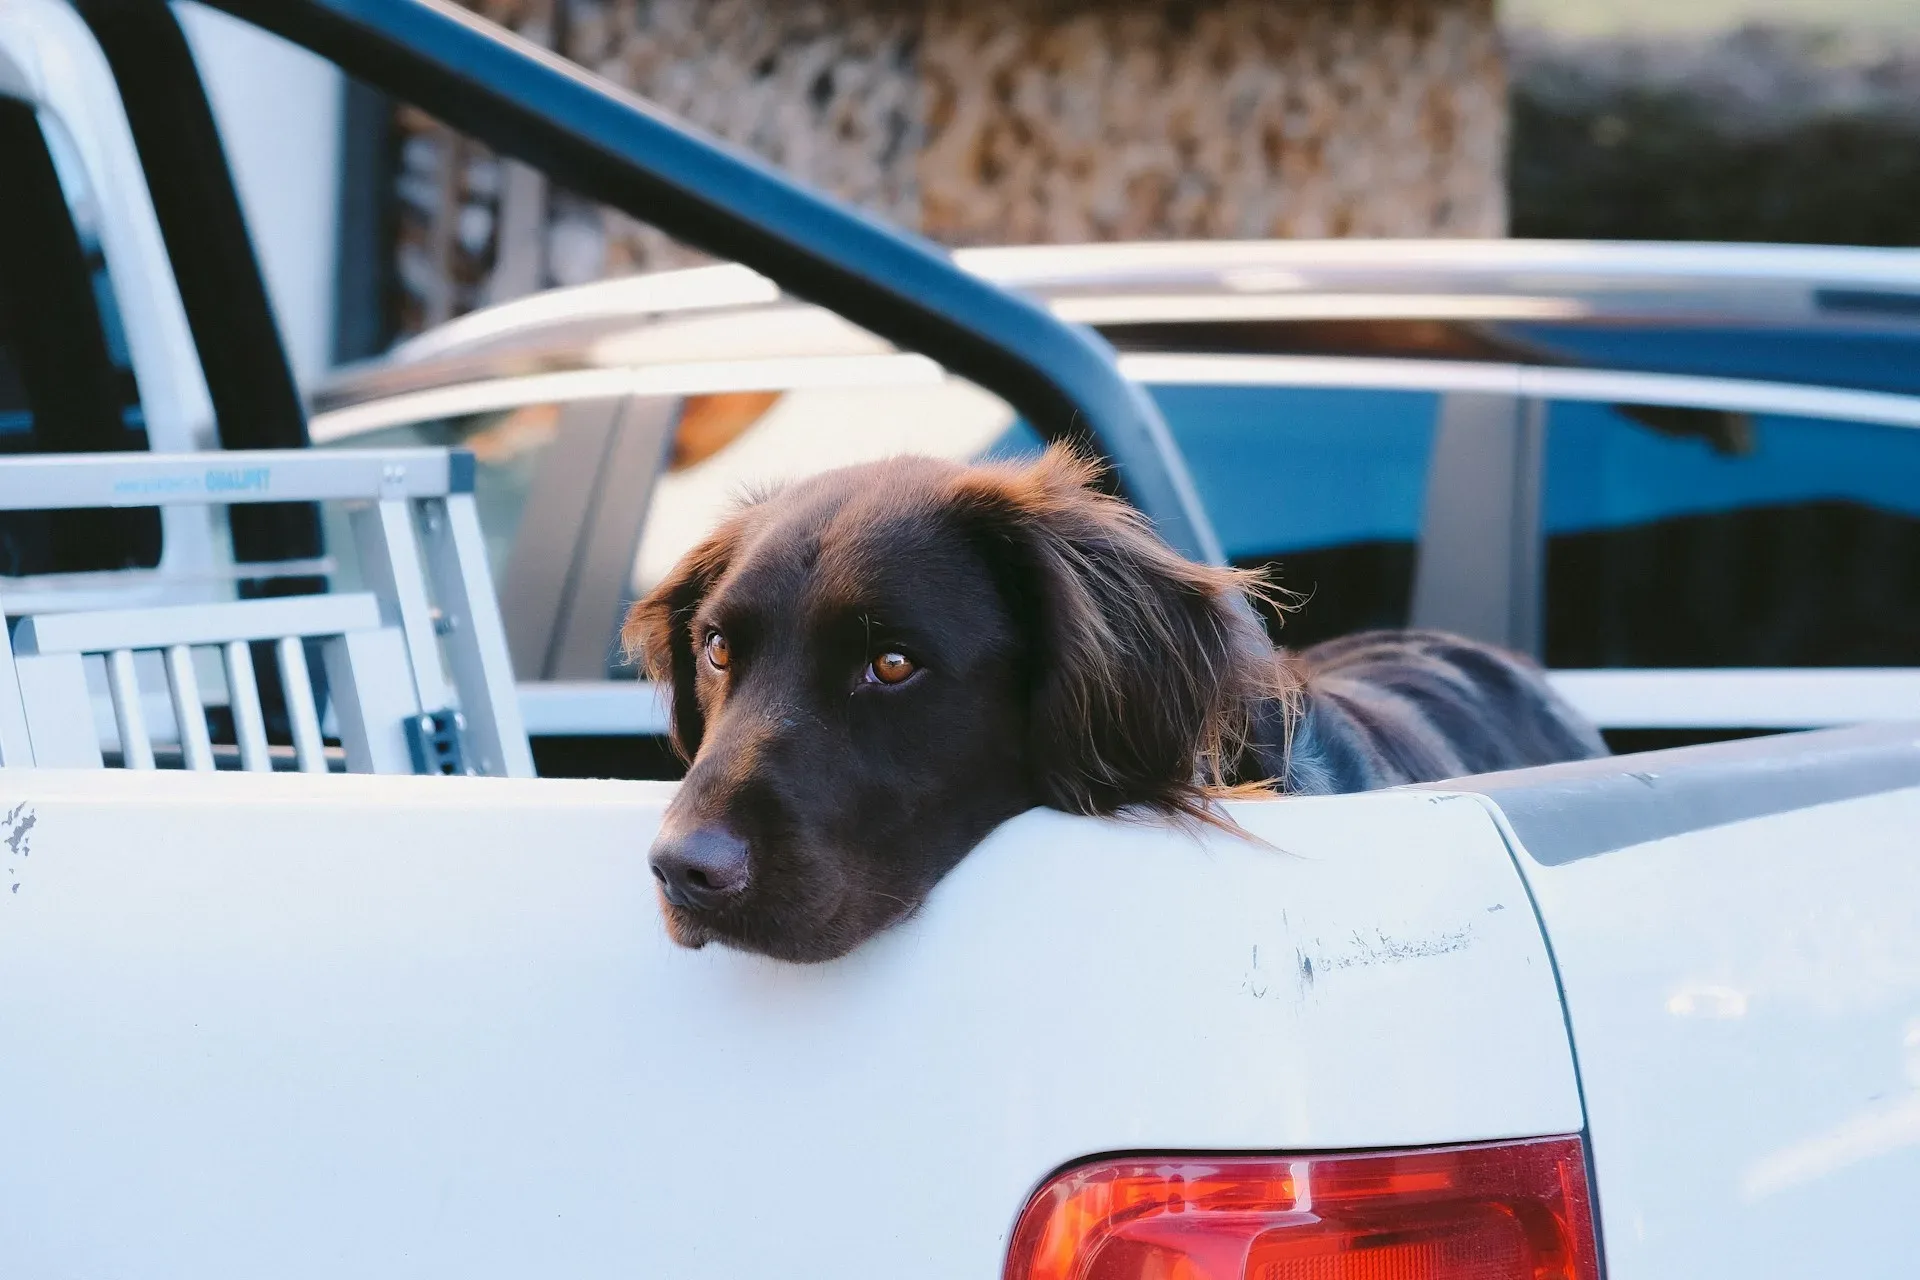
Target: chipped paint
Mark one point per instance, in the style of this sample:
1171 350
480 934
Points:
1380 948
16 829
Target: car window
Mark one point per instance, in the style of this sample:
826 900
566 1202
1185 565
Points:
803 432
1678 538
66 377
1325 487
508 447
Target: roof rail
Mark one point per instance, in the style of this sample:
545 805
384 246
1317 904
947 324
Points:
611 146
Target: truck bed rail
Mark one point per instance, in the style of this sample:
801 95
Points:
418 669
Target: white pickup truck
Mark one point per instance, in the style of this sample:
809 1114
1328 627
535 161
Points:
1650 1016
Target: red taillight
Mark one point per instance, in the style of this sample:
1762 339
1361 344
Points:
1511 1211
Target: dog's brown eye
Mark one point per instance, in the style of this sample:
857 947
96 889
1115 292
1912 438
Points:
717 652
890 668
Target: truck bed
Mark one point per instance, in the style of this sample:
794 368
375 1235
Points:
298 1026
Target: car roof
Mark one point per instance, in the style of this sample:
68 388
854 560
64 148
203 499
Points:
727 312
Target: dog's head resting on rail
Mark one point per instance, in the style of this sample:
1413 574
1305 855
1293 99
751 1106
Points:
873 668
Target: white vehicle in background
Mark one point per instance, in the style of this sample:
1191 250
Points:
270 1009
1644 464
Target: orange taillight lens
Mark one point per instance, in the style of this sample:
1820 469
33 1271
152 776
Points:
1506 1211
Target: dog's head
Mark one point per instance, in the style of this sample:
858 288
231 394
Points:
873 668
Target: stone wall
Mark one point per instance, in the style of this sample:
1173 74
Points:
1004 122
1242 118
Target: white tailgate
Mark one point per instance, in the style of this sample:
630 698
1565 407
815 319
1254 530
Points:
284 1026
1745 1006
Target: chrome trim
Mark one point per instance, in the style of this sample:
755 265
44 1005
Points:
691 378
1365 373
593 708
1726 698
788 373
1742 698
1885 408
1171 308
1227 280
1526 381
624 298
1026 266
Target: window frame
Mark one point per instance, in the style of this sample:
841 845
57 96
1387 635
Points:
1492 415
1482 550
77 92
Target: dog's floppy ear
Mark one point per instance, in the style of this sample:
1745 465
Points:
1145 668
658 631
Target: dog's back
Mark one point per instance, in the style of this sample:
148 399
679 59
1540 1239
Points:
1383 708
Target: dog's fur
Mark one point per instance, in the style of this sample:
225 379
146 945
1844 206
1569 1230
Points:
1065 657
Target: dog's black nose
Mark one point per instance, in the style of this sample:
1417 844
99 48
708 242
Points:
700 868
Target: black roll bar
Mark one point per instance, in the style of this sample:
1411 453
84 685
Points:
611 146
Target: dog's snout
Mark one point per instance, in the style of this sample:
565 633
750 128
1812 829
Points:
703 867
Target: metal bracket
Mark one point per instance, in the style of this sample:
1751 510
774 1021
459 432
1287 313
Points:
438 741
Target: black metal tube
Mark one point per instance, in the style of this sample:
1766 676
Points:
612 147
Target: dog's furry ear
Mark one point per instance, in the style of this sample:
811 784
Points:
658 631
1146 668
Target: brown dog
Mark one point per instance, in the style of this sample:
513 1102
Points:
875 667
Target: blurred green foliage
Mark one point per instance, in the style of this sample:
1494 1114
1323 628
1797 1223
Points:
1620 156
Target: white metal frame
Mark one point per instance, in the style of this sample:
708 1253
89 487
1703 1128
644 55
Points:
65 76
1742 698
790 373
693 377
1747 698
425 564
595 708
1403 276
1364 373
366 665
